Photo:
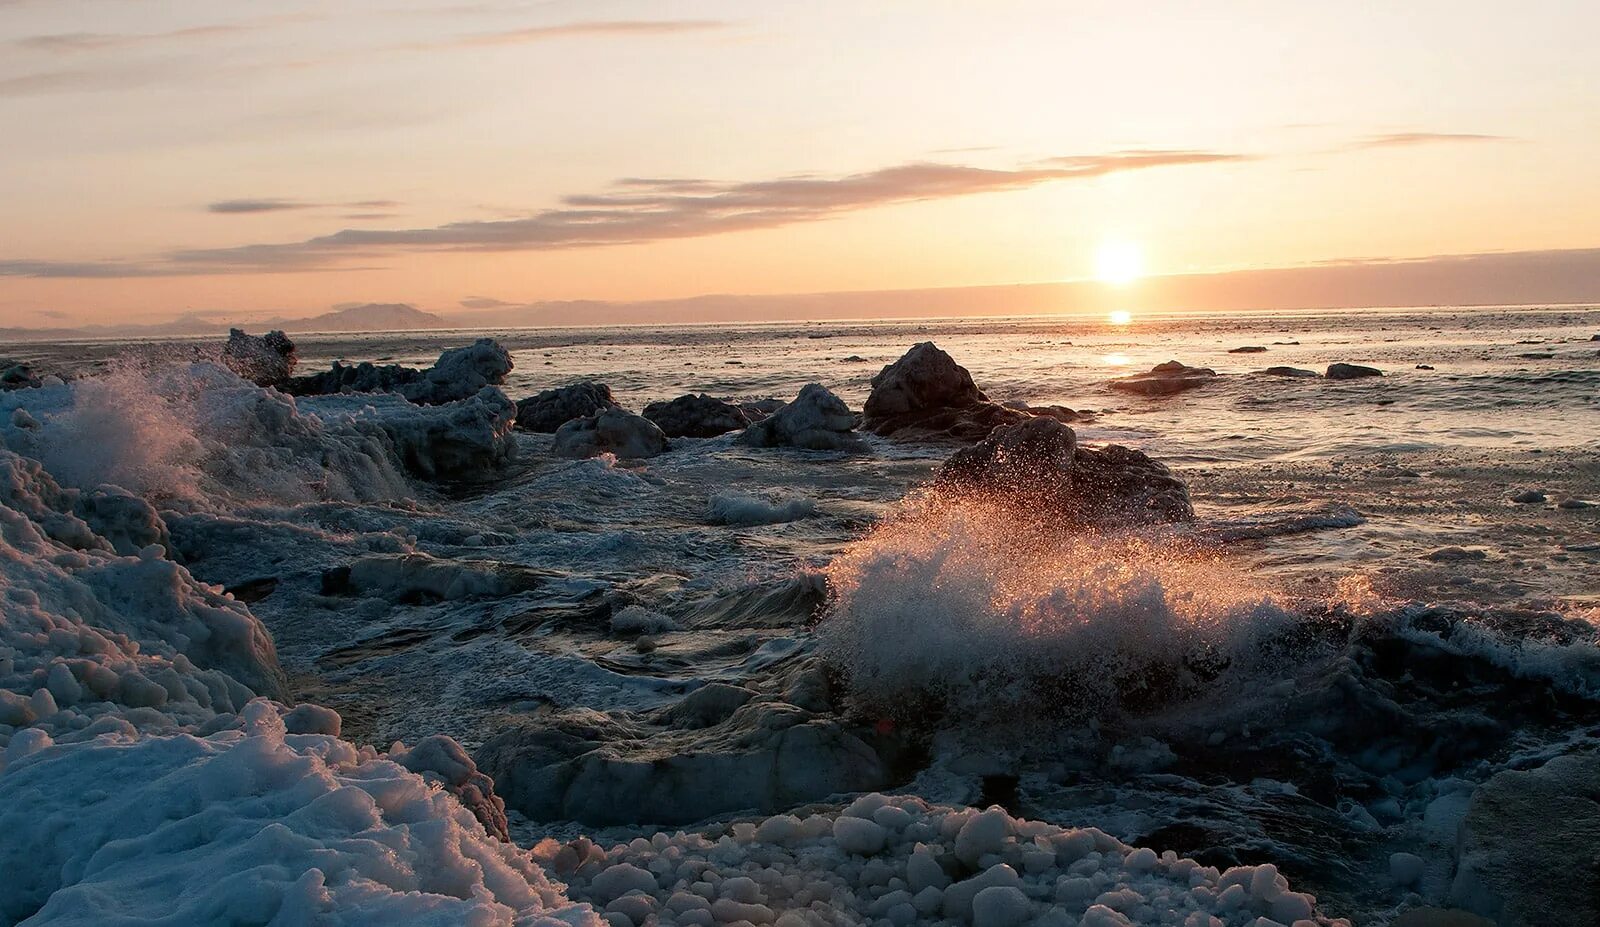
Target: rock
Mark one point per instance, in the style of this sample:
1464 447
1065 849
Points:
1573 502
1405 868
1525 852
612 431
816 420
469 439
1351 372
461 372
18 376
1038 466
1423 367
1528 497
697 416
1248 349
1290 372
265 360
1455 554
1165 379
927 394
549 410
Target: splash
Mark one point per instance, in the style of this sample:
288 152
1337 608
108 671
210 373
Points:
957 601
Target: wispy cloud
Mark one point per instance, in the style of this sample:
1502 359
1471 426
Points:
99 41
1408 139
583 29
249 206
647 210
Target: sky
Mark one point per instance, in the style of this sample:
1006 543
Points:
162 158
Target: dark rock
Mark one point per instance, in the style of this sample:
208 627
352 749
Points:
1528 497
612 431
1290 372
18 376
1248 349
460 373
1351 372
927 394
1165 379
553 408
265 360
1037 466
697 416
364 377
816 420
1424 367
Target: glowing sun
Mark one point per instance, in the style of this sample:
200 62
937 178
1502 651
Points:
1119 263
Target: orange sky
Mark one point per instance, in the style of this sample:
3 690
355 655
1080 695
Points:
167 157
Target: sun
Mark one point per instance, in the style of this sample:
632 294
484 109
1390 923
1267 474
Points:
1119 263
1120 317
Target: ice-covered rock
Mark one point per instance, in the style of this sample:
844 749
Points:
253 826
441 759
418 576
1165 379
549 410
1524 853
732 508
697 416
265 360
612 431
468 439
18 376
365 377
1351 372
1038 466
458 374
927 394
816 420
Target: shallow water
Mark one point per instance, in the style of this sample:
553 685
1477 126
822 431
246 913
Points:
1323 499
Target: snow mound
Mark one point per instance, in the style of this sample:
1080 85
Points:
253 826
898 860
92 641
956 600
732 508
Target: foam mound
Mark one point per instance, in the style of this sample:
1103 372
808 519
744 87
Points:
252 826
898 860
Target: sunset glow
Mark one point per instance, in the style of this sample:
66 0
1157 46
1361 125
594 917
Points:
1119 263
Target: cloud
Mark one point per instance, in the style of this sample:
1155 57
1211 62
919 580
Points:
484 302
665 209
582 29
251 205
1408 139
99 41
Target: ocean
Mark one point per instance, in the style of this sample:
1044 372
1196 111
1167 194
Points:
1385 600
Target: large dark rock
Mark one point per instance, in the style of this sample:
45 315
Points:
1351 371
1165 379
697 416
1526 853
816 420
549 410
1038 466
265 360
18 376
927 394
364 377
612 431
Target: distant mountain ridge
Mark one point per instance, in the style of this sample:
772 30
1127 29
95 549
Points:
368 317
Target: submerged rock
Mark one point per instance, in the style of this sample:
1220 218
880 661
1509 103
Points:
816 420
1038 465
1290 372
265 360
612 431
1248 349
1525 850
1351 372
697 416
1165 379
549 410
927 394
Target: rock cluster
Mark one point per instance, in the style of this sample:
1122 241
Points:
816 420
265 360
927 394
1165 379
613 431
698 416
549 410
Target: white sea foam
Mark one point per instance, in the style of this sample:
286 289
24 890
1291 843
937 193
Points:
735 508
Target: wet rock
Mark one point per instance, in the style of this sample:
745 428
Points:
1290 372
1165 379
364 377
927 394
1573 502
1528 497
461 372
1248 349
612 431
1455 554
1351 372
549 410
1526 848
697 416
1038 466
767 756
1423 367
18 376
469 439
265 360
816 420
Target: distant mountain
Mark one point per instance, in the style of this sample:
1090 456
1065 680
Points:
369 317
